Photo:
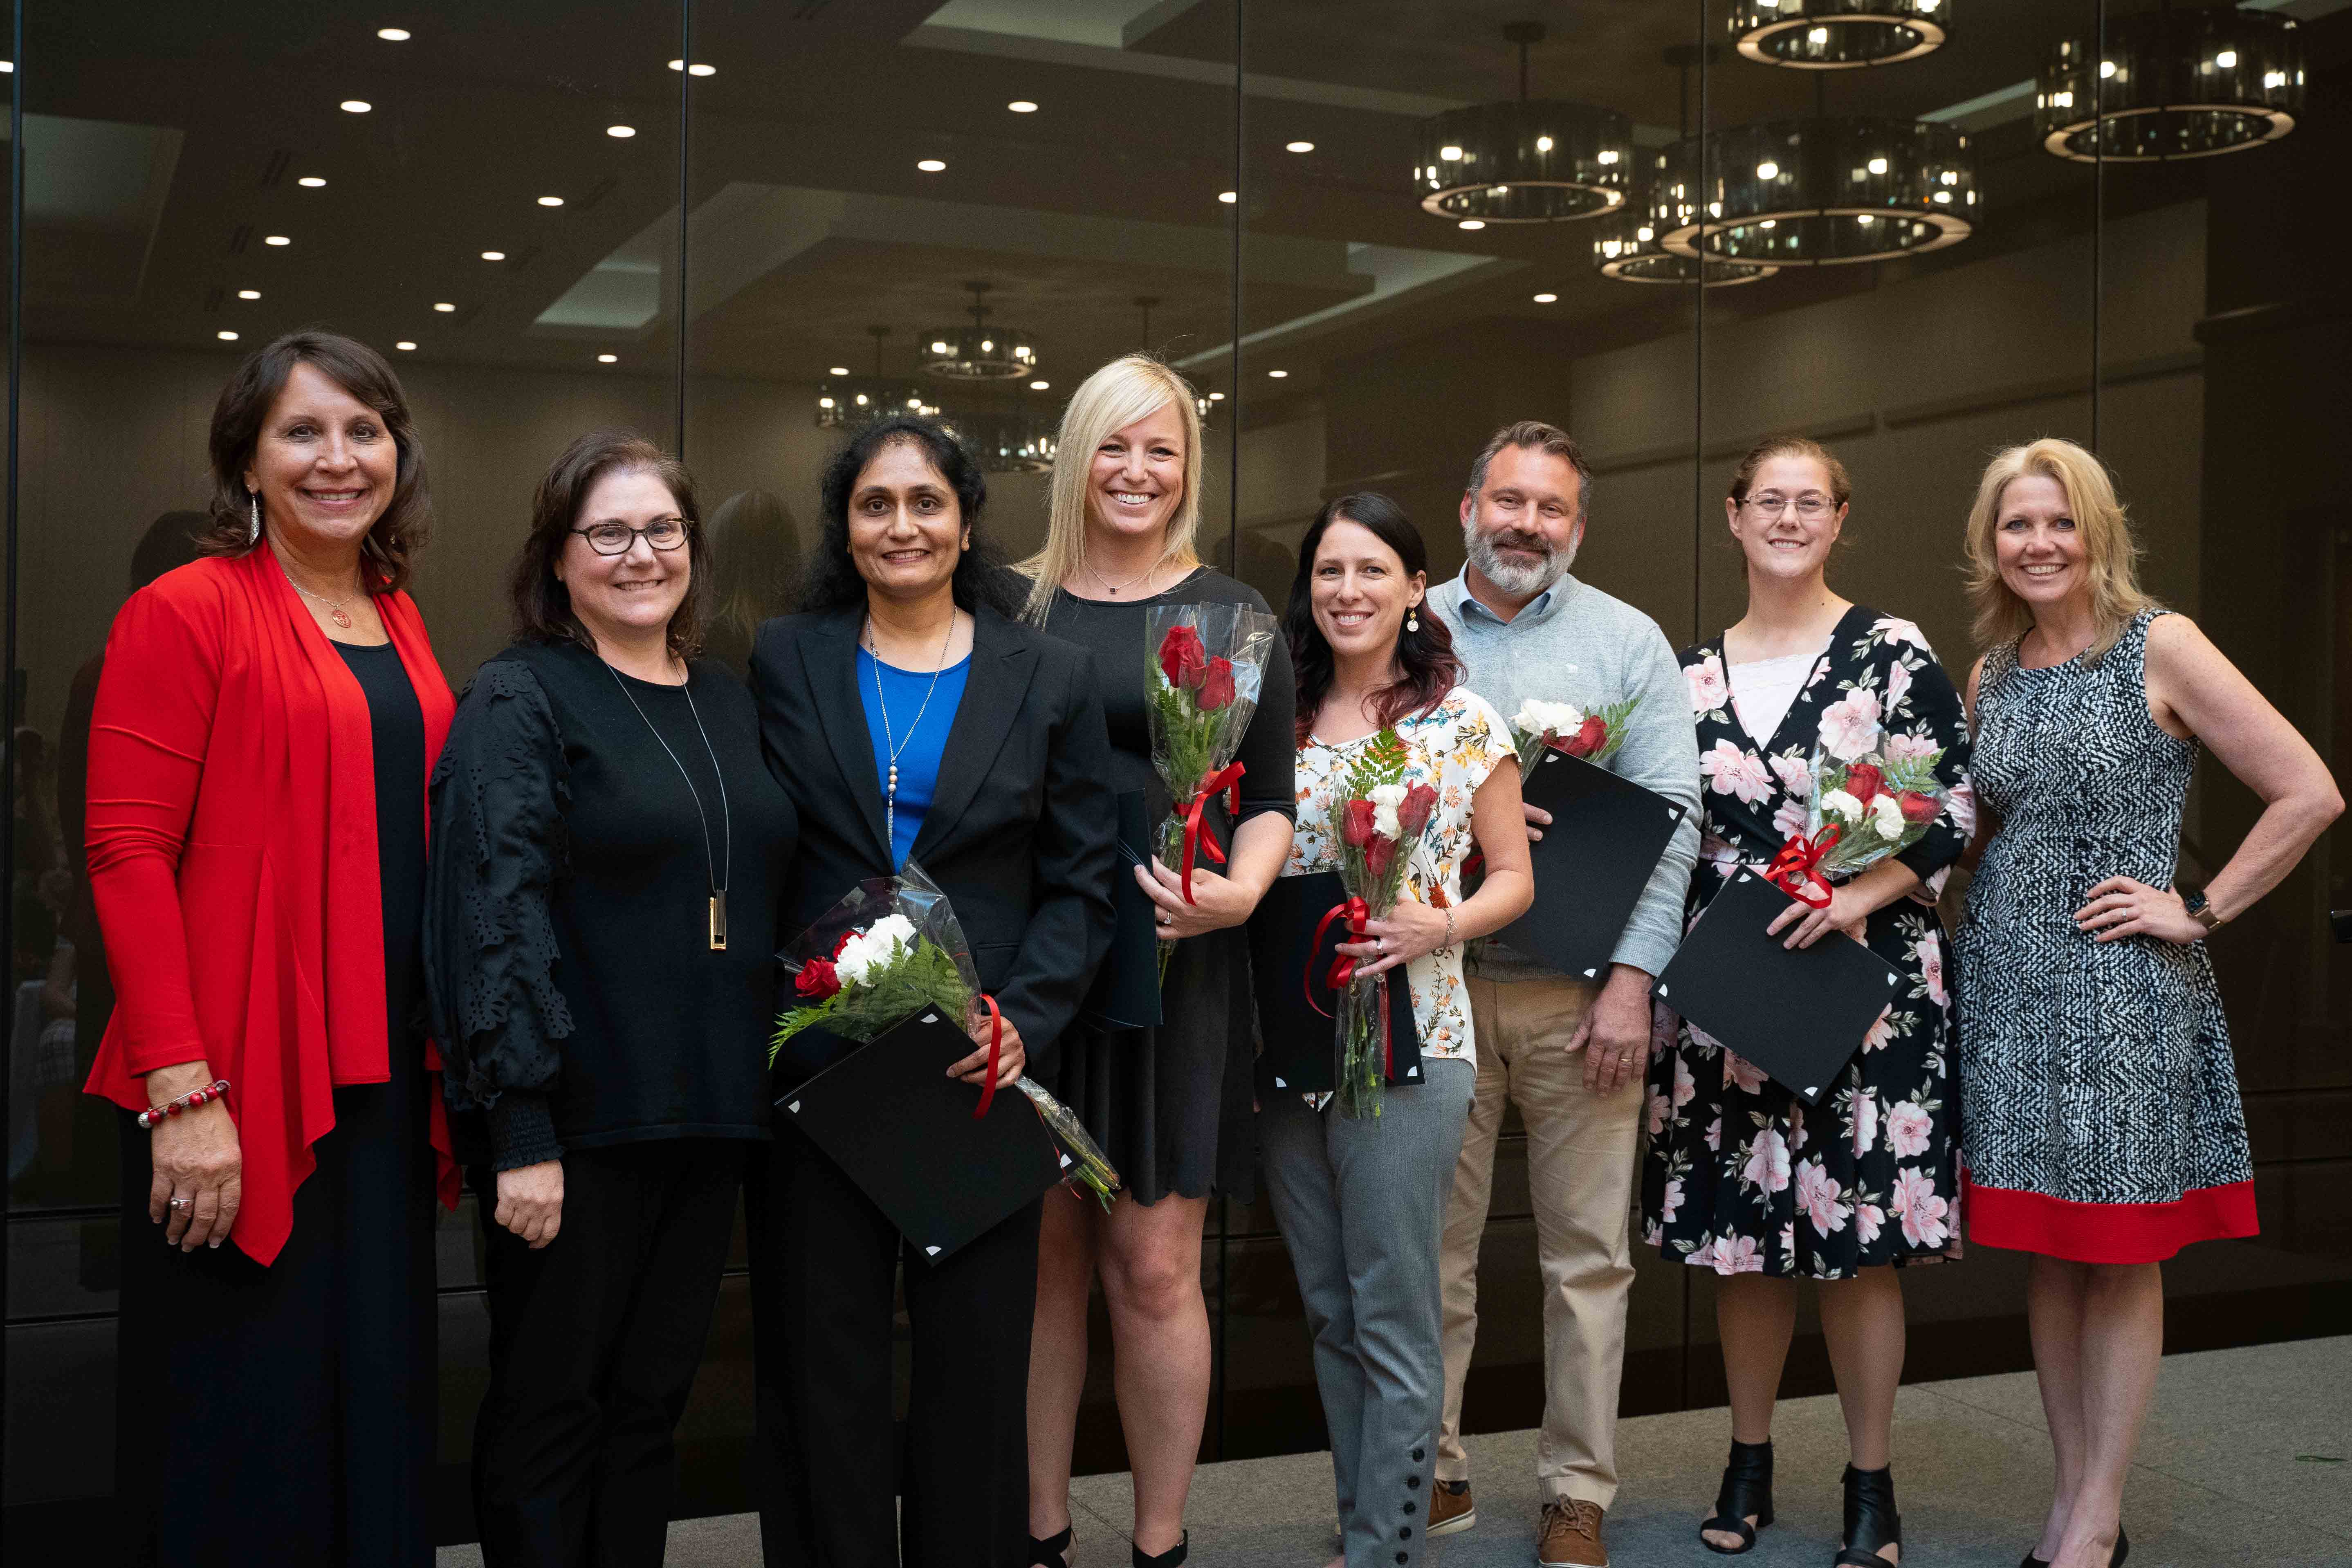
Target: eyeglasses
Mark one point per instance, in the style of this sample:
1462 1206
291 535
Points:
618 538
1812 508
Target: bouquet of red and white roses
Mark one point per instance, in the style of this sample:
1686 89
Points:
1880 803
1376 819
891 948
1205 667
1593 734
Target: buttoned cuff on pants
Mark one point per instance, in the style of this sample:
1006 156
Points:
1360 1204
1582 1153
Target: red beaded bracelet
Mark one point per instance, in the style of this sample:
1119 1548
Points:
155 1115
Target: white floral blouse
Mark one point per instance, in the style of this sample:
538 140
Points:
1453 746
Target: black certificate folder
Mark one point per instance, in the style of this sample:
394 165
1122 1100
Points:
1799 1015
1591 865
1301 1048
890 1116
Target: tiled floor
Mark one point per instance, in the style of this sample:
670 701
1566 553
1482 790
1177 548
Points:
2247 1462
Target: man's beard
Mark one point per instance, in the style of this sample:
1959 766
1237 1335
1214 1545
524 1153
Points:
1521 581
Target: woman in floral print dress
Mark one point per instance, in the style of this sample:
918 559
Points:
1741 1176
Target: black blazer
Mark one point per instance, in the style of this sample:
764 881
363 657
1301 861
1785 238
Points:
1023 830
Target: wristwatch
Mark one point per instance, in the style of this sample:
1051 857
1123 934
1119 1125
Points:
2200 909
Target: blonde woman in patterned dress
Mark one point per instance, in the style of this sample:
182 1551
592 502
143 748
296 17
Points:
1361 1202
2102 1121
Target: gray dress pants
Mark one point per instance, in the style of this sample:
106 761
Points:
1362 1206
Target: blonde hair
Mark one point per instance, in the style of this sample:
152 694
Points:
1132 387
2110 556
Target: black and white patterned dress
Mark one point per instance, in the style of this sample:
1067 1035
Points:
2102 1110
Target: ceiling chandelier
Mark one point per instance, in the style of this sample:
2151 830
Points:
979 351
1532 160
2173 85
1838 35
1631 245
1821 192
1016 442
853 402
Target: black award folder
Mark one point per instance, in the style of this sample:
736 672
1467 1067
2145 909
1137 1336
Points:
1289 968
1126 994
890 1116
1799 1015
1591 865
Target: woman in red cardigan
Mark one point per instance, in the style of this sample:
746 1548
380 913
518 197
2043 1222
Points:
258 761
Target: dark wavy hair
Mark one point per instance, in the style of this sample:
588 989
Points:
244 403
981 579
1426 657
543 605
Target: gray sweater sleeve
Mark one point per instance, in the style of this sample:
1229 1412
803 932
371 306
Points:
1661 753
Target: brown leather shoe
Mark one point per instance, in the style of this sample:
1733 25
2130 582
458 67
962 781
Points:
1451 1512
1568 1536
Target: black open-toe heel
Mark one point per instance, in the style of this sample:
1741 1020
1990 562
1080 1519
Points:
1053 1551
1746 1490
1167 1559
1871 1520
2115 1558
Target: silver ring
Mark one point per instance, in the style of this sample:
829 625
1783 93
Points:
1381 942
181 1203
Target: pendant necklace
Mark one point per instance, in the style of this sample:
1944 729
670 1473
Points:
335 611
726 816
1114 589
889 738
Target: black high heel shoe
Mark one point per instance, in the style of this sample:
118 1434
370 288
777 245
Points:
1746 1490
1871 1520
1167 1559
1053 1551
2115 1558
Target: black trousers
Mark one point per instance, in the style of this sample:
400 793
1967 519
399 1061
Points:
827 1456
285 1414
594 1340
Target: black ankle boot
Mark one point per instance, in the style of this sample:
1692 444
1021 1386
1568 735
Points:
1747 1488
1871 1520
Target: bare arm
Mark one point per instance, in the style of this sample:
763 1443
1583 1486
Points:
1987 822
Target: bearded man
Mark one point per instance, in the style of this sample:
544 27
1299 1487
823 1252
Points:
1567 1051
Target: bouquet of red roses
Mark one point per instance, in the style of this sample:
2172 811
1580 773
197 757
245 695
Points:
893 948
1205 667
1593 735
1376 819
1878 800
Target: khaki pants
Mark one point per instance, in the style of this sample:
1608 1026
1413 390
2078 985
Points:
1582 1151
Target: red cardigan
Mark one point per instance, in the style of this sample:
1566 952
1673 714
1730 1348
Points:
231 831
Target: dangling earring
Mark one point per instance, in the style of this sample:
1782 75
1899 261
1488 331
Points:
253 505
1412 619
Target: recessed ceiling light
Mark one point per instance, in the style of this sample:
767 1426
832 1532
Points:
837 370
621 132
356 106
1216 397
312 182
1298 146
551 201
249 293
608 359
1039 386
443 307
494 256
393 35
405 346
1228 197
275 239
7 66
1472 222
1277 375
226 337
698 68
1547 299
1022 106
931 166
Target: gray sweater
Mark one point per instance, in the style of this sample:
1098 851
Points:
1575 644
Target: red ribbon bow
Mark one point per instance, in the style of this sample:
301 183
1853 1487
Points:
995 1049
1227 779
1355 911
1793 871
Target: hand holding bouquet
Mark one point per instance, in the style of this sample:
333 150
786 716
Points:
894 948
1377 818
1593 734
1205 667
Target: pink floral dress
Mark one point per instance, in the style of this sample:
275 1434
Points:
1741 1176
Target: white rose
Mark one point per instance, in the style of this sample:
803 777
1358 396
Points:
891 932
851 964
1888 818
1537 717
1386 799
1839 804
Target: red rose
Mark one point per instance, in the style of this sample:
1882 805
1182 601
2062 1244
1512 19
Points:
1918 809
1412 816
1589 737
842 942
1182 659
817 979
1357 826
1217 685
1863 781
1377 854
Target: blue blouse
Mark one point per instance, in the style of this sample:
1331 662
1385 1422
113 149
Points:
920 740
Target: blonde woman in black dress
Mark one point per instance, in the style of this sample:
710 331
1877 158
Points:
1169 1105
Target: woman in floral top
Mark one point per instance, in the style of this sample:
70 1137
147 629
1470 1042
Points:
1362 1201
1741 1176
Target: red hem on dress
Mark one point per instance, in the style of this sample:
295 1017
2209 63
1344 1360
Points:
2107 1233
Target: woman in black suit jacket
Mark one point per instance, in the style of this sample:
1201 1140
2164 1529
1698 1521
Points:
908 715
